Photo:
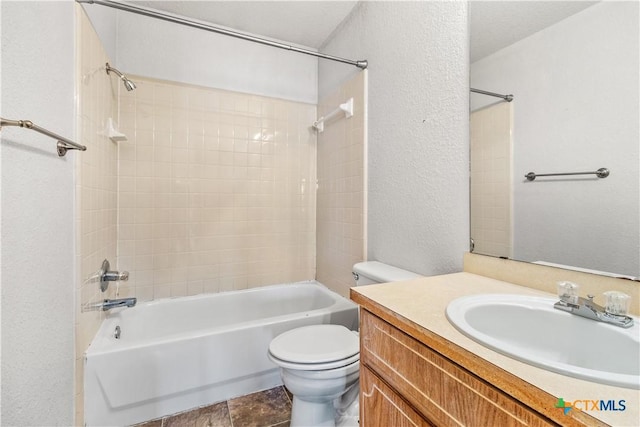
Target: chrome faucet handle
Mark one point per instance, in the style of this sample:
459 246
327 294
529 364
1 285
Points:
107 276
112 276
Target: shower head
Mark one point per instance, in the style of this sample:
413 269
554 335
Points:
128 84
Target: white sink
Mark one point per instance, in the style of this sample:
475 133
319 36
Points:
529 329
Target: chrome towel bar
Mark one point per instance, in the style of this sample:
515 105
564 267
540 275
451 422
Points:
600 173
63 144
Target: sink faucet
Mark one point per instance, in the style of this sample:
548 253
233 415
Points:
108 304
612 314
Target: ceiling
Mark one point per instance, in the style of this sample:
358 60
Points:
497 24
305 23
494 24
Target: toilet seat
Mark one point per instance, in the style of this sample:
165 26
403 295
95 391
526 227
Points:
316 347
315 366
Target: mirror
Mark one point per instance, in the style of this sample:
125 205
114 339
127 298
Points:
574 79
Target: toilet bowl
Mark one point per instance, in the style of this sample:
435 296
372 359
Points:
320 364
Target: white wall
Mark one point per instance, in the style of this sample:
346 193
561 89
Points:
155 48
105 22
418 128
37 215
576 108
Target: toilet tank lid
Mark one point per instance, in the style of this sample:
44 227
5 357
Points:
381 272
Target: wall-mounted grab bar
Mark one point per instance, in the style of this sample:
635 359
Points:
600 173
346 108
63 144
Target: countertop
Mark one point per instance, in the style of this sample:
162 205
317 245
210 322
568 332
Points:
418 307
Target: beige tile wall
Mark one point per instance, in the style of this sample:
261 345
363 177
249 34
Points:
216 190
491 178
342 181
96 186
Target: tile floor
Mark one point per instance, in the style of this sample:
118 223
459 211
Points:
268 408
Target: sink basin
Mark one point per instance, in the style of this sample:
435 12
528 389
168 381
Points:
529 329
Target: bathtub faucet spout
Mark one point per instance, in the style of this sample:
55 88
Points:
108 304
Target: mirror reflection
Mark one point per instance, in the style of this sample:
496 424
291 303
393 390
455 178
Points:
575 108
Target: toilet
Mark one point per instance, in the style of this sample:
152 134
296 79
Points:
320 364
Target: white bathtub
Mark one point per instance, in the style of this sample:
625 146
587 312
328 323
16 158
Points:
179 353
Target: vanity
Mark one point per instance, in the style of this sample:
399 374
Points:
417 369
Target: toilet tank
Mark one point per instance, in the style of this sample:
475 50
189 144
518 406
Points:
369 272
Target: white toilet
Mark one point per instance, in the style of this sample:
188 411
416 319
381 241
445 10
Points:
321 363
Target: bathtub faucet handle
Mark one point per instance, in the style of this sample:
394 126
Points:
112 276
106 275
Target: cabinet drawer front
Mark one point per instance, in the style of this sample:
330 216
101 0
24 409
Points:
380 406
442 391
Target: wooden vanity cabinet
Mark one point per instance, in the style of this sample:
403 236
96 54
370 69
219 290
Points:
381 406
403 382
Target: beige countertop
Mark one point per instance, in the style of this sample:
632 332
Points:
423 302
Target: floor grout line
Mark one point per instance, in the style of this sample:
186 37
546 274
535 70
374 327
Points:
229 413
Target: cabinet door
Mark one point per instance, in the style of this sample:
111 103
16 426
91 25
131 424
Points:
380 406
440 390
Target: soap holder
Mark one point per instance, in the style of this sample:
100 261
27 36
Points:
113 133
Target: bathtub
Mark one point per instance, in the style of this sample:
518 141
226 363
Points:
180 353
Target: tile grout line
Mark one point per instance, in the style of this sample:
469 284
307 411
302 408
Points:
286 393
229 412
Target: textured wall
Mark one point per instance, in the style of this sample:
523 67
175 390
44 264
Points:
37 215
417 128
576 108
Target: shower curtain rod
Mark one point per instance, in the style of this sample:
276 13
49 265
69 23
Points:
507 98
153 13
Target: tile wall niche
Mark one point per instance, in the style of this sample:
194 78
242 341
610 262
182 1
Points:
341 199
96 187
216 190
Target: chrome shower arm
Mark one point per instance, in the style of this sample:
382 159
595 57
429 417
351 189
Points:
128 84
111 69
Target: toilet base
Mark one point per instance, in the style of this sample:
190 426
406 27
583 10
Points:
305 414
347 408
340 412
